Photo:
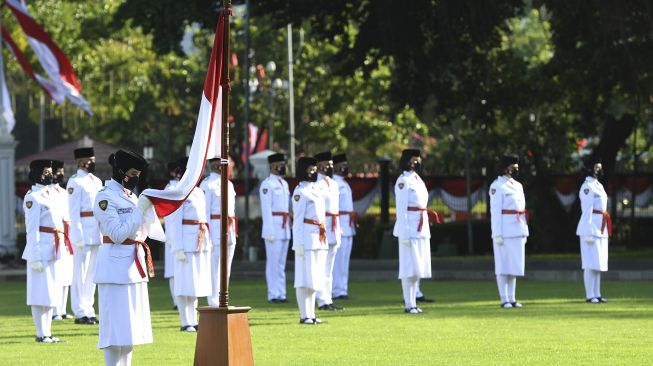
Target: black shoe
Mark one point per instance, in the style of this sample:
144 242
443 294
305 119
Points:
306 321
174 307
273 301
602 300
188 328
424 299
326 307
84 320
66 316
48 339
283 301
197 327
341 297
336 307
94 320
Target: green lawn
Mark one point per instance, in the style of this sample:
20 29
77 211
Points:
464 327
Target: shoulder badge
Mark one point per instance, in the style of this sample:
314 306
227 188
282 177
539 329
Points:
296 197
401 186
493 191
265 190
103 204
586 190
29 204
71 190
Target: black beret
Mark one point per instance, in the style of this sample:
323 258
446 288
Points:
84 152
508 160
125 160
323 156
37 166
276 158
57 164
339 158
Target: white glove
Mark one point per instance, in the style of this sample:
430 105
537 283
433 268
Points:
405 242
144 203
588 240
299 250
181 256
79 245
36 266
498 240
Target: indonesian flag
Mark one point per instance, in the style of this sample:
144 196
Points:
207 139
55 63
7 113
48 86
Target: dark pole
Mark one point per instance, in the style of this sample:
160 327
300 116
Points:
224 210
247 99
468 188
384 177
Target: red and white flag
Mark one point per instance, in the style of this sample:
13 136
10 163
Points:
46 84
207 140
55 63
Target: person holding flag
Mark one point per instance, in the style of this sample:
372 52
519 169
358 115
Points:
124 261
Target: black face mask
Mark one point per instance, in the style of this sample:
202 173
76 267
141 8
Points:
90 167
58 179
312 177
599 175
329 172
131 183
47 180
513 174
417 167
281 170
344 171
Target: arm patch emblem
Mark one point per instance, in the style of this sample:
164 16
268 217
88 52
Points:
401 186
296 197
28 204
265 190
586 190
103 204
493 191
71 190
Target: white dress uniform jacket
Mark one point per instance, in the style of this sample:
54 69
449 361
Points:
275 201
331 196
594 222
65 264
308 205
346 206
211 187
82 190
44 228
509 220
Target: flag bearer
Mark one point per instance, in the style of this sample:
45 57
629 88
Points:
348 221
44 243
275 201
509 229
309 240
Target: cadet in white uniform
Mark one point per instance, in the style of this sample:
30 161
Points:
124 262
275 202
84 234
412 227
309 240
348 222
188 230
169 259
211 187
331 194
594 227
509 229
65 262
44 242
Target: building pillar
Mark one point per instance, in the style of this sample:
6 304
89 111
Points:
7 195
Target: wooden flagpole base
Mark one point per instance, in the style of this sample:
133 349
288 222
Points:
223 337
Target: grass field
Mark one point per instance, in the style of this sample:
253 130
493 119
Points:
464 327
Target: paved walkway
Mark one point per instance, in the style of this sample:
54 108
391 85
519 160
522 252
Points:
620 269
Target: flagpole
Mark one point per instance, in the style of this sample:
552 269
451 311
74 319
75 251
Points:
224 192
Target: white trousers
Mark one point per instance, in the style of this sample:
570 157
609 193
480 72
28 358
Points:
306 302
82 291
507 285
592 279
418 292
214 298
171 284
409 289
186 306
324 296
61 309
341 267
276 252
118 355
42 316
